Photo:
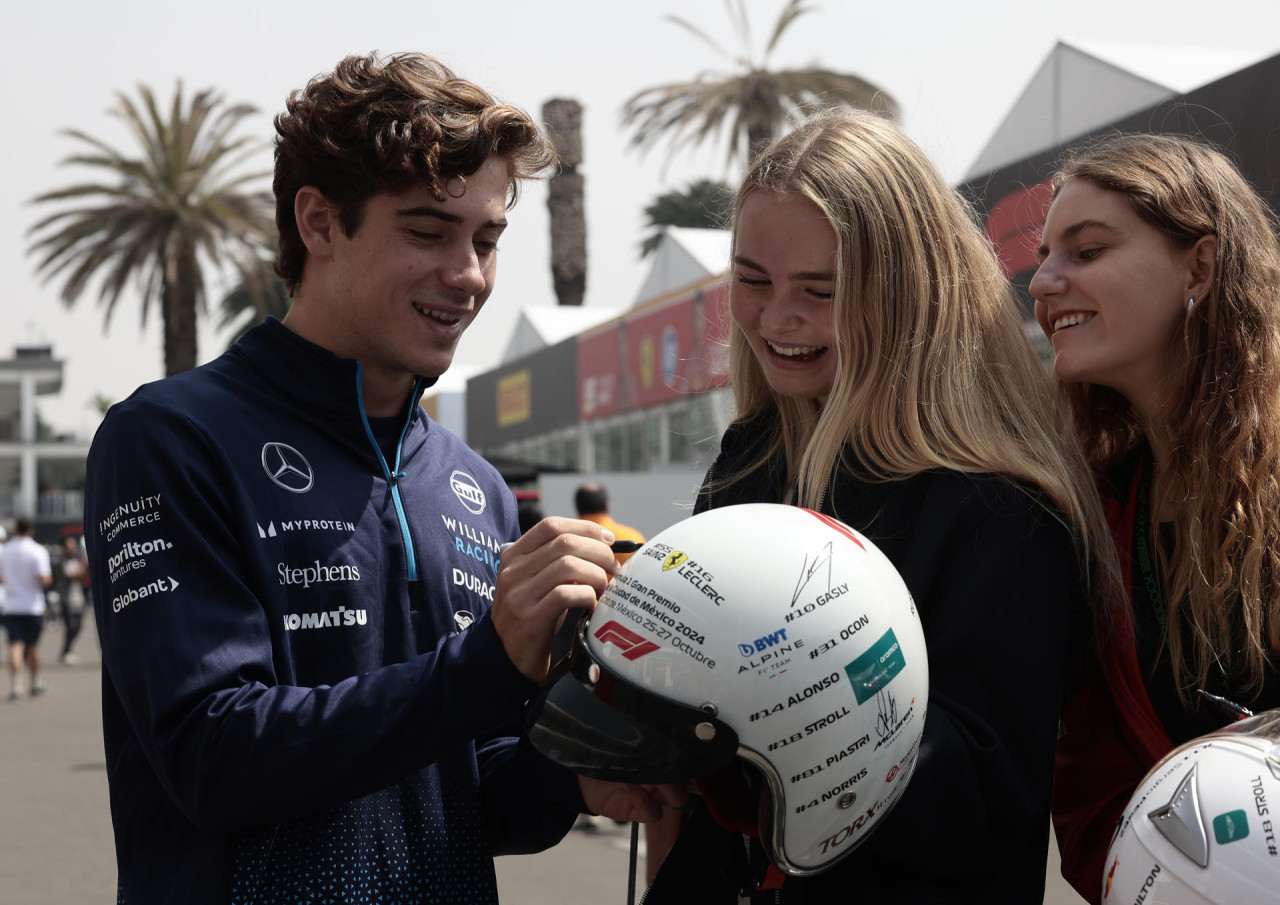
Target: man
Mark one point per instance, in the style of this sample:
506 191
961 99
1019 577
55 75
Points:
4 536
313 672
69 575
592 502
26 574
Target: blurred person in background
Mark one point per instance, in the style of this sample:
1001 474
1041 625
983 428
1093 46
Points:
26 574
528 514
71 594
591 501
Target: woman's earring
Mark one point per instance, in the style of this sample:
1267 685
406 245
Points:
1191 303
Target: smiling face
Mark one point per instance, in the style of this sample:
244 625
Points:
780 296
398 293
1111 292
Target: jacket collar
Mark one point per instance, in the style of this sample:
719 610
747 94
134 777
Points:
308 372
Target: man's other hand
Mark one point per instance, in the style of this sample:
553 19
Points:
641 803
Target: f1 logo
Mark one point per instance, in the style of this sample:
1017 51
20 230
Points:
633 646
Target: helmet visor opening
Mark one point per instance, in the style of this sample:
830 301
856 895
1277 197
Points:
612 730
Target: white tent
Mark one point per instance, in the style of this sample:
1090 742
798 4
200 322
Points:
684 256
545 325
1082 85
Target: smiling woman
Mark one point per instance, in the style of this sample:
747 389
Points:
784 272
1112 290
882 377
1159 286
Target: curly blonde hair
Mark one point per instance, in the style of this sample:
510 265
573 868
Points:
934 367
1223 574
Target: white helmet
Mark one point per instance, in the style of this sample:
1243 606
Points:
1199 829
763 632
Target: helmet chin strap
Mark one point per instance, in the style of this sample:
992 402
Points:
631 865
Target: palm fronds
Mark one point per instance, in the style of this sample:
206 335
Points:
749 105
160 214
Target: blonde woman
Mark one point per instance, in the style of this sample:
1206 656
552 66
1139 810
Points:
882 376
1159 287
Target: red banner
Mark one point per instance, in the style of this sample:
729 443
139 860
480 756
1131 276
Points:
712 358
659 346
599 373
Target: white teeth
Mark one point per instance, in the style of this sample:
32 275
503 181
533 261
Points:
1071 320
442 316
792 351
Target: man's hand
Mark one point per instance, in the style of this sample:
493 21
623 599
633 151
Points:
631 801
560 564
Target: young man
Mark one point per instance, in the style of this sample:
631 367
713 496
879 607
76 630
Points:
313 669
26 574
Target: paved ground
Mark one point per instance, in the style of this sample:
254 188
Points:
55 830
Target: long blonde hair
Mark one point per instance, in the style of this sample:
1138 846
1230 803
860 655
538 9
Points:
1223 575
934 368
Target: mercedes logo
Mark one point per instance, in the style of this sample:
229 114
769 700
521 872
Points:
287 467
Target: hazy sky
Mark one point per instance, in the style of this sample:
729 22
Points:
955 68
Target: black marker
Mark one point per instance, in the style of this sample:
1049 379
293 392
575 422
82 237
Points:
618 546
1224 707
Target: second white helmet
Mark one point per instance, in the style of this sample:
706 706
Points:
1200 829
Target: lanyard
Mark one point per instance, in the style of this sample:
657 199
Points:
1145 553
1144 549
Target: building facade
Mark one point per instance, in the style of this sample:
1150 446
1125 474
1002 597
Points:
41 476
646 391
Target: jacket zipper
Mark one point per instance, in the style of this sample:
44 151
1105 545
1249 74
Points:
393 475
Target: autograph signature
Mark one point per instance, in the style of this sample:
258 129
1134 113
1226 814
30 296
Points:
813 566
887 714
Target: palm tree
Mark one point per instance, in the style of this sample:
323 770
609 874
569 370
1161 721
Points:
704 204
754 103
565 202
160 217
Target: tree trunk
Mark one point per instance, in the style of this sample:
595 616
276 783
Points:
179 297
754 103
565 202
758 137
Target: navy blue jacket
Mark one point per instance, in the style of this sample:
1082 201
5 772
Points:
303 696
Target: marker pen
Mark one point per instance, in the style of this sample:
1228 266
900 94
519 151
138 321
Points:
618 546
1223 706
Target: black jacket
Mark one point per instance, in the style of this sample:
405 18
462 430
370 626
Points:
1002 601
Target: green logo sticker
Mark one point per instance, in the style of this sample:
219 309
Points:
876 667
1230 827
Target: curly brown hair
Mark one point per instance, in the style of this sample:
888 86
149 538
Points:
1223 575
385 124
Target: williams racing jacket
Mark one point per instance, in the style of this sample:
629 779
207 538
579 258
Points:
303 697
